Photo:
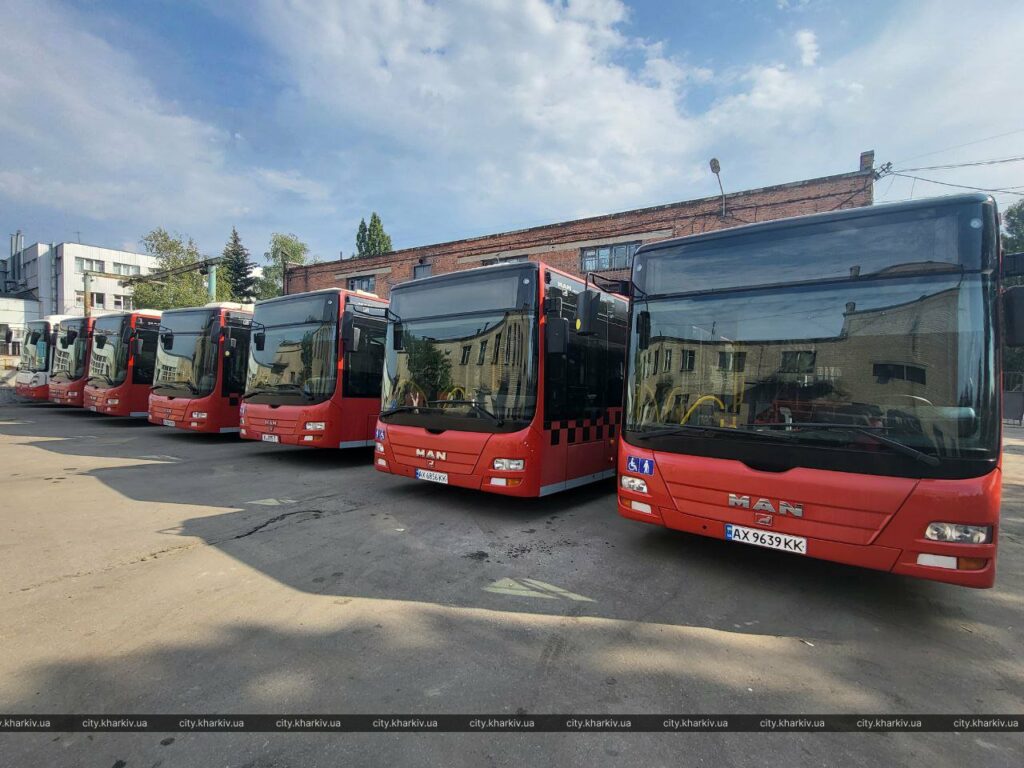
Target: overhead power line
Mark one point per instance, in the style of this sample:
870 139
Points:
959 186
959 146
965 165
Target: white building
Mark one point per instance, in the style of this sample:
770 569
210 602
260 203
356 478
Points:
15 314
54 276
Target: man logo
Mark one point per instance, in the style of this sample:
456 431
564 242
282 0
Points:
427 454
765 505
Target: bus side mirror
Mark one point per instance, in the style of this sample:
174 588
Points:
351 334
100 340
33 338
259 340
70 337
8 336
588 305
643 329
553 305
64 341
1013 316
168 340
399 339
52 339
556 331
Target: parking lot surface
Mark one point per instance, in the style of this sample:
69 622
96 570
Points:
149 570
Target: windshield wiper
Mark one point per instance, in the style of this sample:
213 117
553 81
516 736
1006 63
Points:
187 384
498 421
280 388
405 409
682 429
896 445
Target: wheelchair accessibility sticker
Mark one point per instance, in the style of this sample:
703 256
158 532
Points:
639 465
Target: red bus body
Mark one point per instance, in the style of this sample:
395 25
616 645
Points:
74 347
32 380
202 391
568 440
313 384
121 370
785 447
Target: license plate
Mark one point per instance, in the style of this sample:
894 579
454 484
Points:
795 544
270 439
92 408
168 423
434 477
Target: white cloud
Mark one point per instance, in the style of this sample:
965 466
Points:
807 42
81 132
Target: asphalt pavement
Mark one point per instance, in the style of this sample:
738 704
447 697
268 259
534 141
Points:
149 570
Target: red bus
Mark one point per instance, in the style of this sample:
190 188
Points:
826 386
314 370
487 384
73 347
121 363
201 363
32 380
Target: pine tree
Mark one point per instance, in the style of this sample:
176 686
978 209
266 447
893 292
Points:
377 240
361 239
236 269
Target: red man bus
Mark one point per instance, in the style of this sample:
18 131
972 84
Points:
71 360
314 370
121 363
32 380
488 385
827 386
201 363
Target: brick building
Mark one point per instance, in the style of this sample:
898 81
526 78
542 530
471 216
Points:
602 244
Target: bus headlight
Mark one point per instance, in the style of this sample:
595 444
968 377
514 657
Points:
634 484
508 465
379 446
958 534
113 401
198 414
316 426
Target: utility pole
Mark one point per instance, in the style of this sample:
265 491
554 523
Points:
87 293
211 282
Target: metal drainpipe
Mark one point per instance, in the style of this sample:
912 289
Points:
57 309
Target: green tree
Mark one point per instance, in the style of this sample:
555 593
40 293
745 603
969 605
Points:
361 239
236 269
429 368
372 240
377 240
184 290
1013 228
284 250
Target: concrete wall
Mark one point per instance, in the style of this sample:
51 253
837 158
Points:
561 244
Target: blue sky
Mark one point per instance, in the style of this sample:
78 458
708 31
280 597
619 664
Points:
454 119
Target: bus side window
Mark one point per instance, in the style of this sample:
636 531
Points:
142 372
364 367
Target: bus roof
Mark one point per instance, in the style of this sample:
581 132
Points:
821 217
336 291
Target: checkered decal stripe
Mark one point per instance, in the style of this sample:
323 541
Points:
576 431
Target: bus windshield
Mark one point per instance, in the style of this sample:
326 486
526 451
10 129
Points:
298 362
36 347
472 369
108 366
844 365
186 358
69 361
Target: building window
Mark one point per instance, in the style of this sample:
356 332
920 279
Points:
122 302
483 353
125 269
618 256
420 270
465 353
688 360
98 299
734 362
886 372
366 283
497 349
668 360
797 362
90 265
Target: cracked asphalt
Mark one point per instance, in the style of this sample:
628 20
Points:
152 571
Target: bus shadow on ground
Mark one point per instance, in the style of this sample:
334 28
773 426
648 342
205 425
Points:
327 523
